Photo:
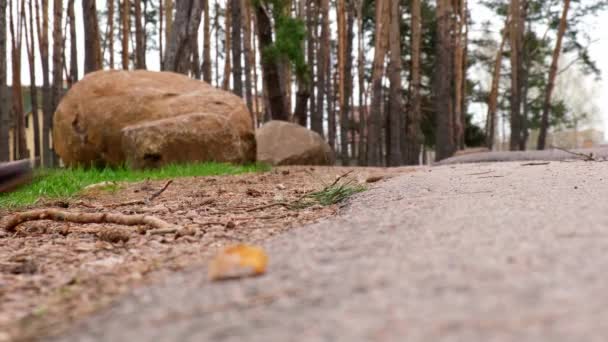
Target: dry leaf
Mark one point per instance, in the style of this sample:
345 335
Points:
238 261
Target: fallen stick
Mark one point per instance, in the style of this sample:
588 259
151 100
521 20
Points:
143 201
85 218
586 157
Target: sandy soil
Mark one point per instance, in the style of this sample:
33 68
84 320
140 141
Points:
53 274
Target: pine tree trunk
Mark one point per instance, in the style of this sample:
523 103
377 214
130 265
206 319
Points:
270 69
73 45
206 44
395 112
42 27
444 78
216 28
248 52
343 101
110 35
348 85
362 112
322 69
544 125
227 46
21 151
168 23
413 132
126 29
31 56
178 54
459 47
303 93
493 96
237 71
311 30
140 38
374 136
4 111
515 44
92 45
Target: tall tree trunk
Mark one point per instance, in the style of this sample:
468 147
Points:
216 28
413 132
185 29
444 77
270 68
92 46
161 32
206 44
140 38
31 56
395 112
4 112
303 93
544 125
249 60
110 35
227 46
361 79
57 53
348 83
459 48
343 101
237 71
42 27
73 45
312 11
516 33
16 29
126 30
330 81
374 136
322 69
168 22
493 96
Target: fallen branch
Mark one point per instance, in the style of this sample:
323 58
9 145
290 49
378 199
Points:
85 218
144 201
536 164
159 192
586 157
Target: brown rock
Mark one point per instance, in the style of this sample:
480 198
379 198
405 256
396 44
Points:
285 143
161 117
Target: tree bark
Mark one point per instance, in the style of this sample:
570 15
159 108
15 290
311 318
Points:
270 68
110 35
4 113
303 93
493 96
185 29
92 46
343 101
395 111
73 45
126 30
168 23
249 60
20 146
459 79
312 11
31 56
348 79
413 134
374 136
237 71
42 27
515 43
362 112
443 80
227 46
544 126
206 44
322 69
140 38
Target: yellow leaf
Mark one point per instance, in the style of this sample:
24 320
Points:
238 261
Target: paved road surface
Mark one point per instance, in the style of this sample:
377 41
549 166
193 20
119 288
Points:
475 252
599 153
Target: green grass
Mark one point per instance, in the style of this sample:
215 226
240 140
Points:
66 183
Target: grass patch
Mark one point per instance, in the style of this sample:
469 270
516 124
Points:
330 194
65 183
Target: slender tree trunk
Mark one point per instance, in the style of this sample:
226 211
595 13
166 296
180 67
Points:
216 28
140 38
92 46
31 56
206 44
413 132
312 11
544 125
256 98
270 69
19 116
161 19
331 107
196 60
303 93
57 53
110 35
395 112
361 78
374 136
493 96
444 77
459 79
73 45
348 84
322 69
246 23
237 71
516 34
42 27
4 112
343 101
126 30
168 22
179 52
227 47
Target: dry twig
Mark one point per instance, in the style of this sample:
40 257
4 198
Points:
144 201
85 218
586 157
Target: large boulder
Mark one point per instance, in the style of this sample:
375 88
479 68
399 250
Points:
148 119
285 143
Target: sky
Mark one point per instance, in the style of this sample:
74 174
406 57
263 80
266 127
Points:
596 26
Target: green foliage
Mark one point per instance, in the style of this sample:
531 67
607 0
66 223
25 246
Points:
65 183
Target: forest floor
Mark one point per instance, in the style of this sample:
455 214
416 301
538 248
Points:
511 251
55 273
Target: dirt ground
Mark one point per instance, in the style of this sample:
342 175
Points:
53 273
